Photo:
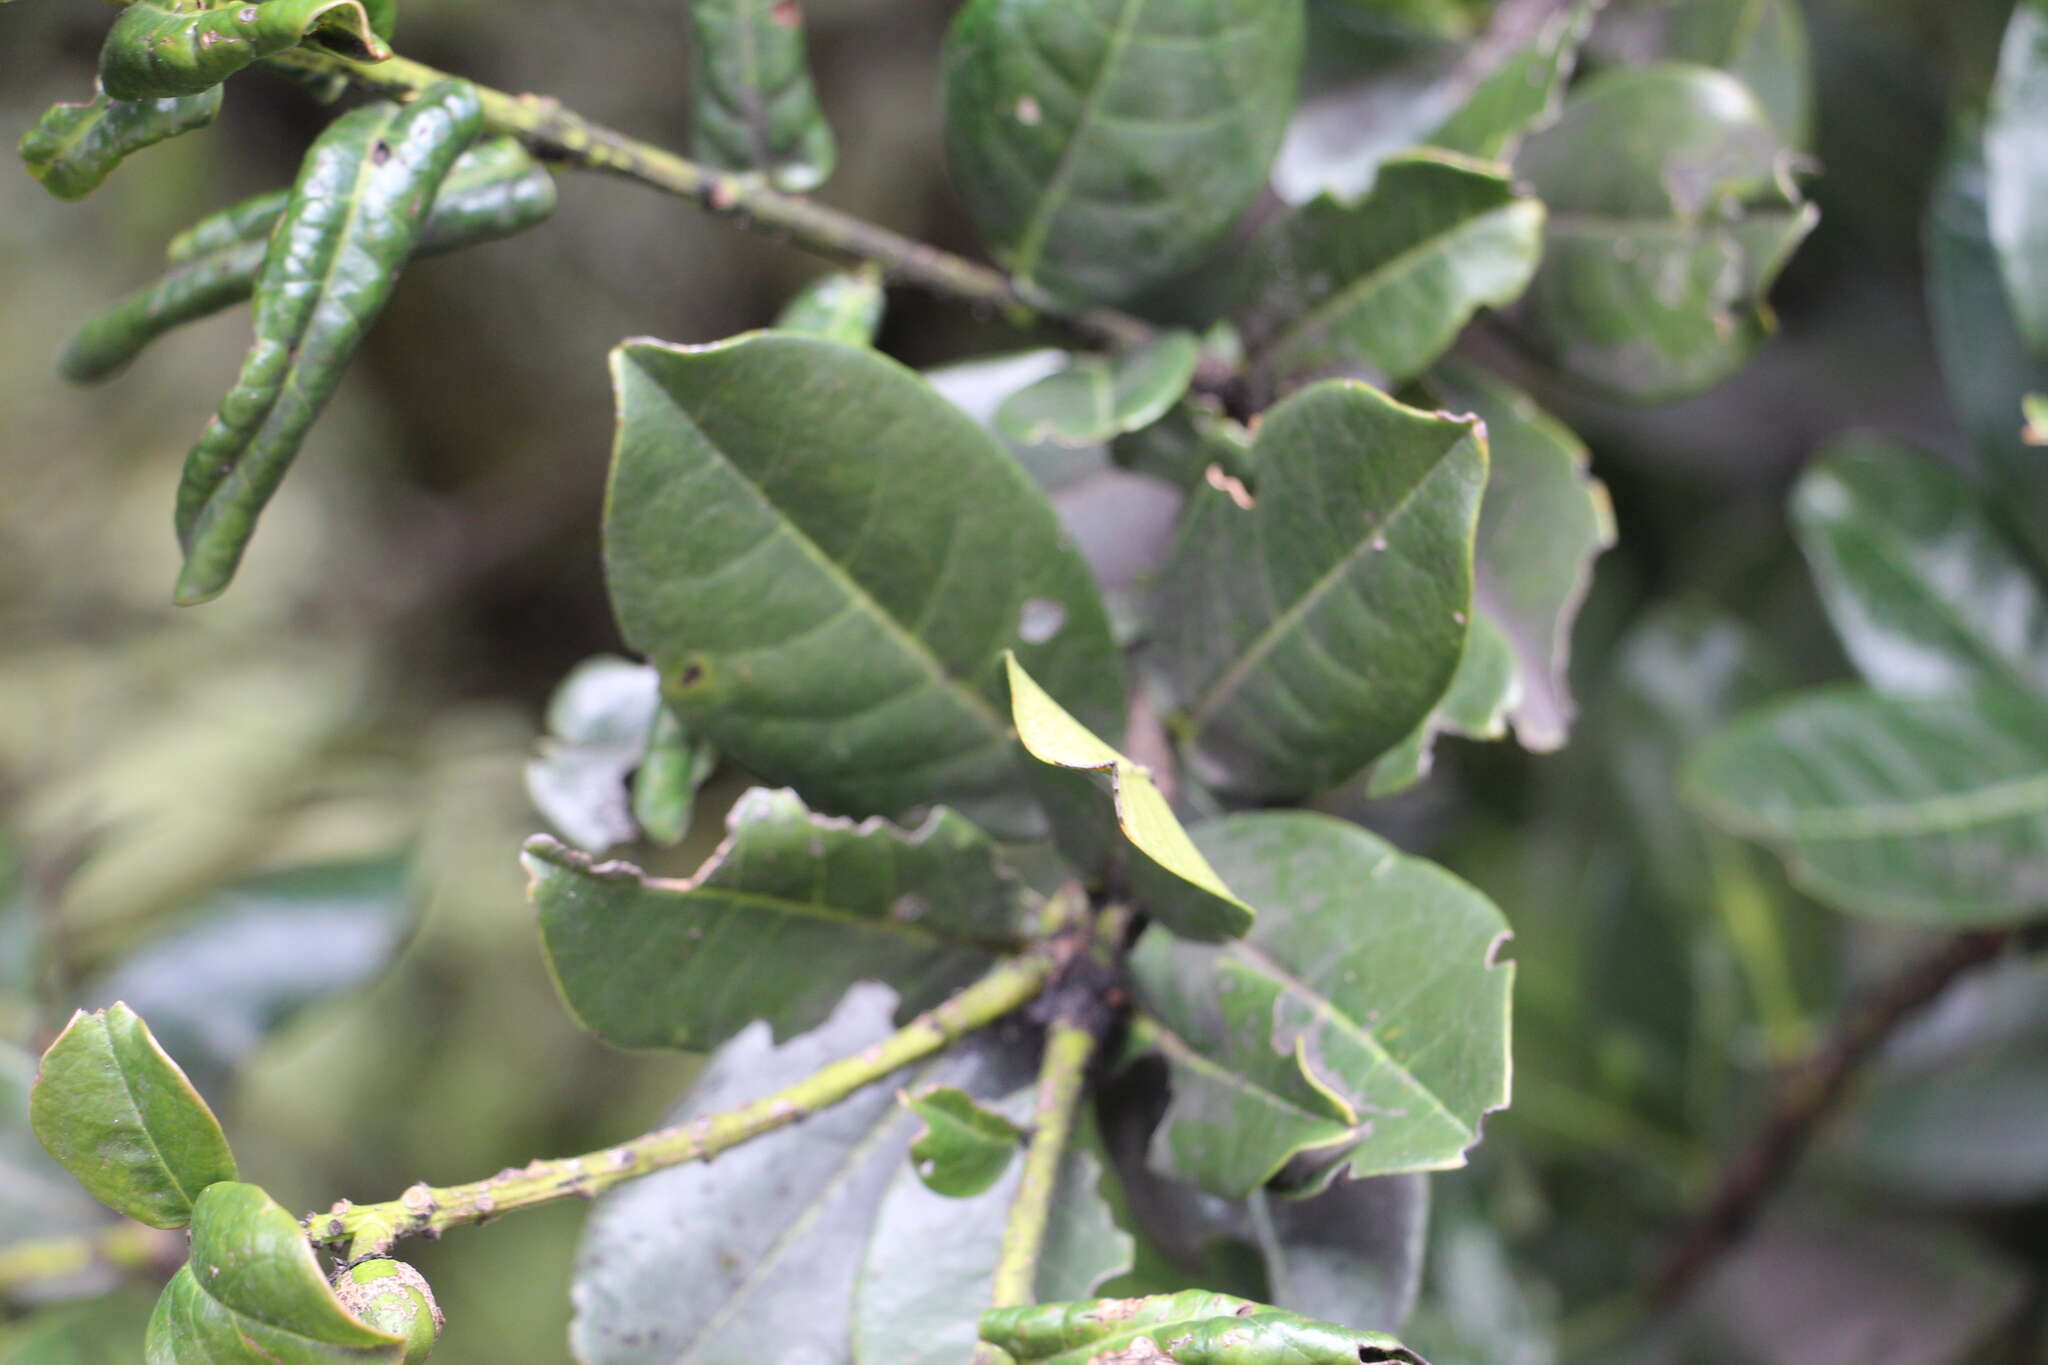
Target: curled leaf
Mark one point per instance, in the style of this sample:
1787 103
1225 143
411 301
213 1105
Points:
353 221
163 47
1096 398
1194 1327
756 109
75 147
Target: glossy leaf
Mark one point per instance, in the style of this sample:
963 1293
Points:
845 306
77 146
1194 1327
673 769
599 723
648 962
929 1268
38 1198
1098 791
1304 635
1097 398
1525 91
1486 687
1104 145
1924 810
353 220
117 1113
258 954
1984 361
252 1294
496 189
1544 521
1925 592
964 1148
1380 288
769 1238
1761 43
2016 162
1362 1025
756 110
162 48
826 561
1669 219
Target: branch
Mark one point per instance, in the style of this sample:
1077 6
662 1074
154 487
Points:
564 135
1806 1096
1069 1047
423 1210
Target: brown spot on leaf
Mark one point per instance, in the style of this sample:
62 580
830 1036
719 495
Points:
1141 1351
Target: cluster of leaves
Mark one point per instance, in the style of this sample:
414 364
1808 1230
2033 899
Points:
853 583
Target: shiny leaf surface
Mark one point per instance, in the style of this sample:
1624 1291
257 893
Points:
1924 810
845 306
1305 634
115 1111
496 189
928 1271
964 1148
1194 1327
1486 687
1097 398
252 1294
768 1238
756 110
1102 802
1106 144
647 962
37 1198
1524 91
1761 43
353 220
2016 163
1544 521
826 561
1381 287
1924 591
1362 1024
1669 219
159 49
77 146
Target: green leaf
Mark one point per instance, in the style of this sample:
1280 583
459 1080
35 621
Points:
161 48
769 1238
258 954
1103 145
826 561
1184 445
1095 786
600 722
77 146
1922 810
929 1268
648 962
1984 361
1383 286
1524 91
2034 408
1302 636
845 306
252 1294
1544 521
37 1198
1194 1326
1761 43
756 110
1924 591
2016 162
1486 687
496 189
673 769
115 1111
1096 398
1362 1025
353 221
964 1148
978 387
1670 216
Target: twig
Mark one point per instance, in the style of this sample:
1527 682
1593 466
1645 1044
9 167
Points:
1806 1096
1069 1047
564 135
428 1211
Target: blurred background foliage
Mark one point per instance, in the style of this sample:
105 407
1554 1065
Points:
364 701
